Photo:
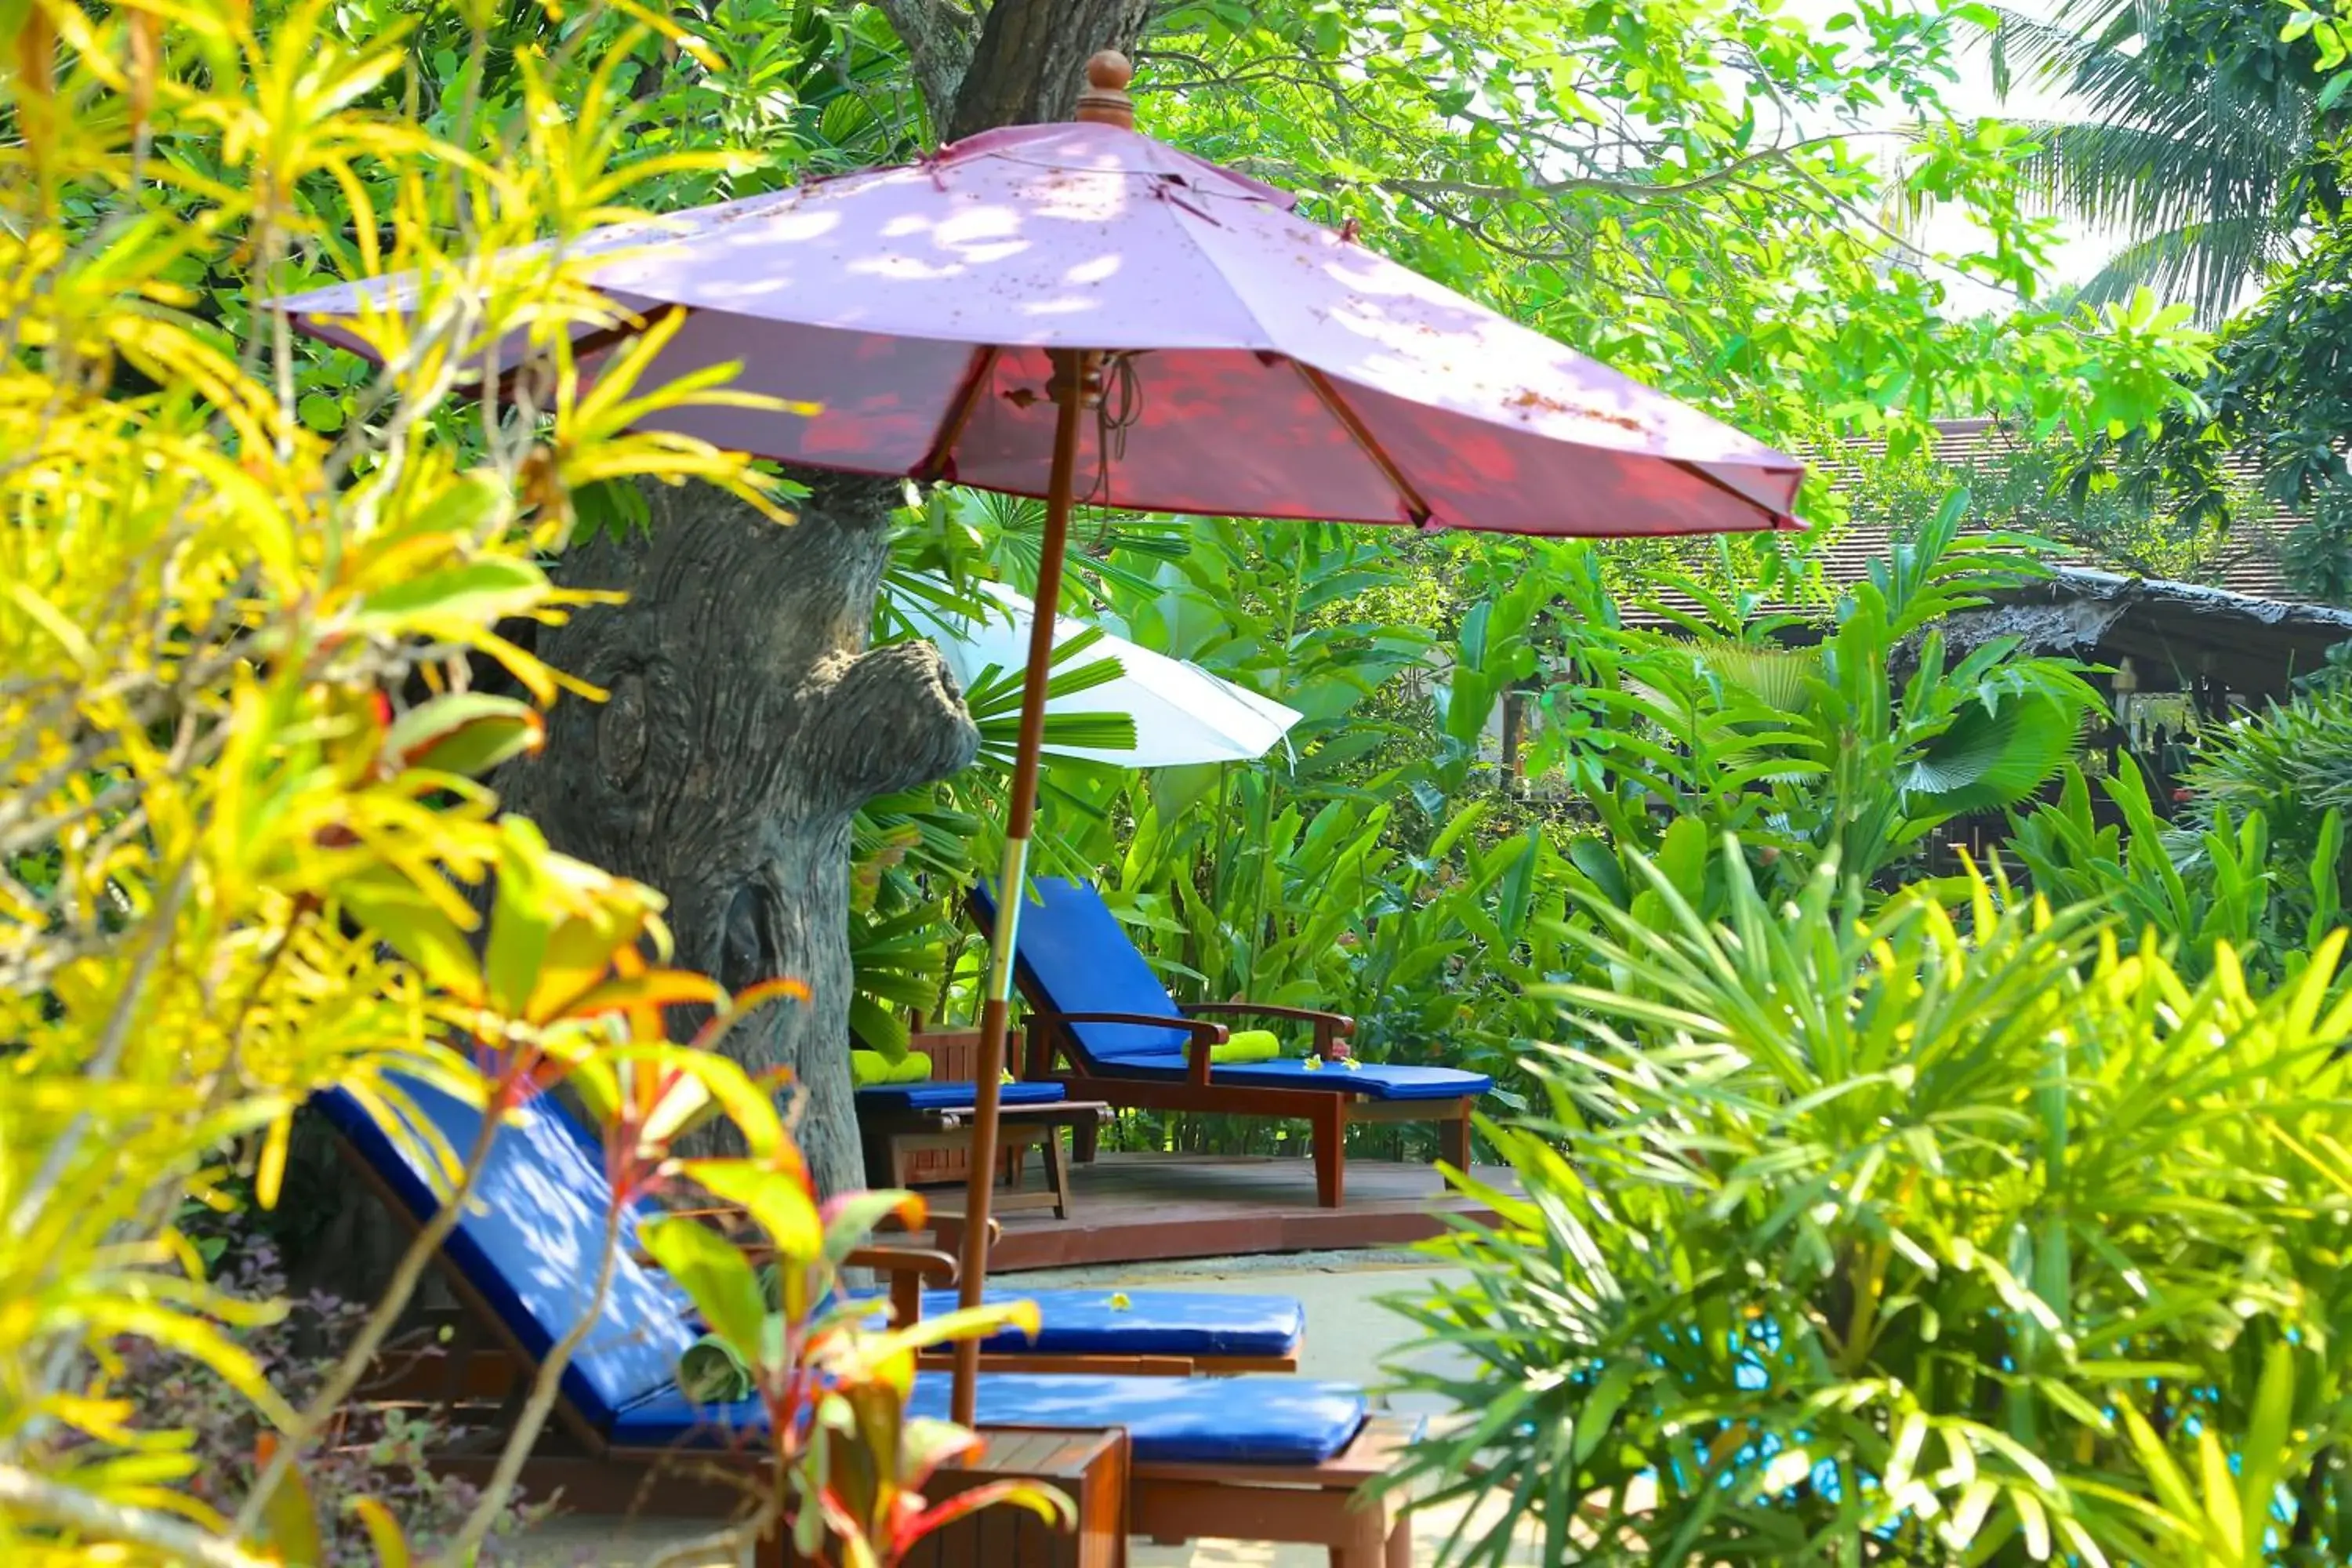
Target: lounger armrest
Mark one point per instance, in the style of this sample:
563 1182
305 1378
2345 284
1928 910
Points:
927 1264
1196 1048
908 1269
1330 1028
1215 1032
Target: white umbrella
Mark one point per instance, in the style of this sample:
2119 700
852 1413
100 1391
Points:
1181 712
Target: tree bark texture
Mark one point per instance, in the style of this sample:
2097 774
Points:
1031 58
746 722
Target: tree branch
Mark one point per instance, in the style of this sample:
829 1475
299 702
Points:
940 36
891 720
1628 190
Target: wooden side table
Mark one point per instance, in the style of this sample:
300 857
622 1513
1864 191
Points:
955 1056
1090 1468
895 1141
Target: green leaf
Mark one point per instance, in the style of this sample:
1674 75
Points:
849 1220
478 594
778 1201
465 733
384 1531
1988 761
289 1519
320 411
398 913
716 1276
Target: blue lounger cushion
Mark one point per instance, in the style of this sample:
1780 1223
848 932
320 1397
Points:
561 1167
1168 1420
531 1240
1073 954
952 1095
1151 1322
1374 1081
1071 950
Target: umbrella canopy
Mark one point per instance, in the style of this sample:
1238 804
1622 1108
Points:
1181 712
1082 313
1255 364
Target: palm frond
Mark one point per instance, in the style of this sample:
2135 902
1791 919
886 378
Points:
2198 168
2141 177
1782 679
2035 49
2208 265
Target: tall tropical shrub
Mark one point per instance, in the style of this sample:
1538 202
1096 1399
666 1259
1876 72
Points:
1848 750
1863 1234
243 852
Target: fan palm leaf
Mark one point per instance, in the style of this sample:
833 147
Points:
1989 759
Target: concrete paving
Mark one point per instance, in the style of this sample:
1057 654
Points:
1348 1336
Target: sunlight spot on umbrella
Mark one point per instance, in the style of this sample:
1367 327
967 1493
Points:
971 224
790 227
905 267
1070 305
1095 271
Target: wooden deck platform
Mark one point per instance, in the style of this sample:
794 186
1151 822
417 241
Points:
1145 1209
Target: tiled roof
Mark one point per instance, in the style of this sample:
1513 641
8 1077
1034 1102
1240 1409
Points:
2251 567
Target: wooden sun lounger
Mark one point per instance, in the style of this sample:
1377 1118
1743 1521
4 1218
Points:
1070 950
1328 1113
1117 1497
1114 1496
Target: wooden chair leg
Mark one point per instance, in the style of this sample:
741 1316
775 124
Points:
1400 1549
1057 1172
1369 1544
1084 1139
1330 1124
1453 1141
880 1149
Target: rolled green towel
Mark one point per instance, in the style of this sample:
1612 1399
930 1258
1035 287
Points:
710 1373
709 1370
1247 1045
867 1068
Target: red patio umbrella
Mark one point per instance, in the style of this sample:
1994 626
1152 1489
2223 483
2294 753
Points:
1078 312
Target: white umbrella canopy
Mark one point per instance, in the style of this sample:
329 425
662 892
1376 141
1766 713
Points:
1182 714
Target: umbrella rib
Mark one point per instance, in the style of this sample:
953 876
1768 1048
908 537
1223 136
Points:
596 342
1416 510
938 462
1774 517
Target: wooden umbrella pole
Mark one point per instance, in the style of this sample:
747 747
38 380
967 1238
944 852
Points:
1071 373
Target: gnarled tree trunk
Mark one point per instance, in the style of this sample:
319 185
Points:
745 724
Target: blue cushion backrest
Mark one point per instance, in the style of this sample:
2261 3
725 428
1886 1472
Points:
1075 957
530 1243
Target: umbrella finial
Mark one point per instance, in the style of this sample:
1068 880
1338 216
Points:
1105 99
